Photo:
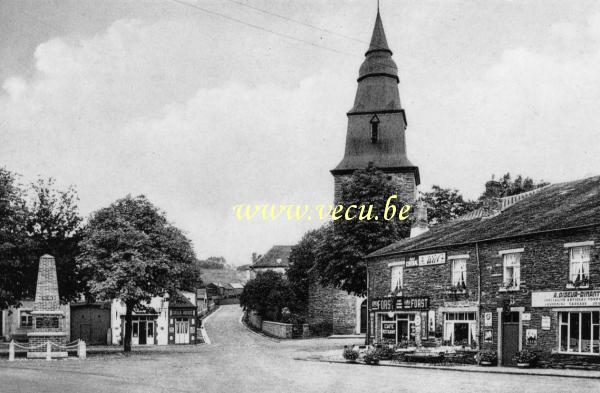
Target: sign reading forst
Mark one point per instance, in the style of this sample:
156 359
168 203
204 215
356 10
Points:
388 304
566 299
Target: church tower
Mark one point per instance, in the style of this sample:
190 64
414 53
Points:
377 122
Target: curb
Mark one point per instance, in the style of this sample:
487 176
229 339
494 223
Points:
257 333
488 371
203 330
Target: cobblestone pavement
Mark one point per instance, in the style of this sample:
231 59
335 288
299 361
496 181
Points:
243 361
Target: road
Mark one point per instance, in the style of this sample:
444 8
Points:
242 361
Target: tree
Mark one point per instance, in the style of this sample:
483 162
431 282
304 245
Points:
132 253
339 260
267 294
507 187
445 204
48 224
213 263
302 259
13 240
54 226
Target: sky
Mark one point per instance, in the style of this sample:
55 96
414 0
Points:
215 103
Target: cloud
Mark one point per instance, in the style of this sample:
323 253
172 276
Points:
533 112
138 110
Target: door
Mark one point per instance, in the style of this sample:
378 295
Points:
402 331
135 333
85 332
182 331
143 333
363 316
510 337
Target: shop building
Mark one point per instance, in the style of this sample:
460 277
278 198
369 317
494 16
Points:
182 318
522 272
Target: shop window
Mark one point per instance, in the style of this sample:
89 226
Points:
512 271
460 329
579 266
396 278
150 329
26 321
459 273
579 332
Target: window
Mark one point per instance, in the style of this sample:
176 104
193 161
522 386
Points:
512 270
460 328
374 129
579 266
26 321
459 273
396 278
579 332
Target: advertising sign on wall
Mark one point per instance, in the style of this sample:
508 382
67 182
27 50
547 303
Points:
566 299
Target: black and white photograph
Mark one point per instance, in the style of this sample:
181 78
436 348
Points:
298 196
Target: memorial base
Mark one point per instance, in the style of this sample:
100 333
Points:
42 355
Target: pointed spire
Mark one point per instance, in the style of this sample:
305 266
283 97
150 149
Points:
378 40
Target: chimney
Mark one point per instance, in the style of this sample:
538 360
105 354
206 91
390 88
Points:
491 207
420 225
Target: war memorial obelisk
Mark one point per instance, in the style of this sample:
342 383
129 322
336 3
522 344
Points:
48 318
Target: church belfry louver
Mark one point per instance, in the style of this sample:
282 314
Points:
377 122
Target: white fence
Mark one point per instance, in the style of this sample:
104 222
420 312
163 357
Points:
78 344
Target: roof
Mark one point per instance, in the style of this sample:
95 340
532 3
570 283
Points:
179 301
237 285
201 292
243 267
554 207
378 40
277 256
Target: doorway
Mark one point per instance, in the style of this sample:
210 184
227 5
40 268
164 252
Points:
182 331
363 316
510 337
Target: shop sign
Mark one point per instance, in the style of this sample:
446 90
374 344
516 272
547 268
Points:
487 336
388 330
432 259
387 304
526 317
487 319
182 312
383 304
411 262
545 322
414 303
566 299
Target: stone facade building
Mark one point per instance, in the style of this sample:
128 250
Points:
521 273
375 135
277 259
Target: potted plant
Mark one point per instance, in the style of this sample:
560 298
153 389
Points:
488 358
385 352
371 357
525 358
350 355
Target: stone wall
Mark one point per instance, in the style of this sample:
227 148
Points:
277 329
330 310
254 320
